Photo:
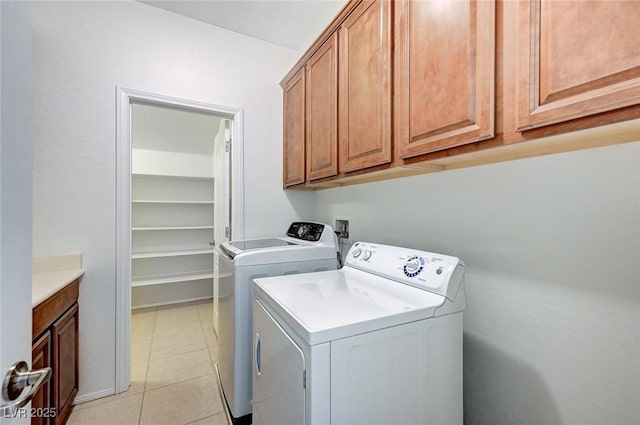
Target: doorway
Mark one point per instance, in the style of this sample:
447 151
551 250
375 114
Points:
179 196
179 192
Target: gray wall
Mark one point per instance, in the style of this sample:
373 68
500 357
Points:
81 52
552 247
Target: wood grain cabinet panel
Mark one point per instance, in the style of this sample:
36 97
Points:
322 110
65 363
444 74
55 344
576 58
294 130
41 401
364 119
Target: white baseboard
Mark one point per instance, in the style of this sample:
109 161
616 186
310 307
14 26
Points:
84 398
187 300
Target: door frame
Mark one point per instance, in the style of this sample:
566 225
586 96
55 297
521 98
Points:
124 98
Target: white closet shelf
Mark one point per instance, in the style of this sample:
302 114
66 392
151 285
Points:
171 279
158 201
168 176
176 253
135 229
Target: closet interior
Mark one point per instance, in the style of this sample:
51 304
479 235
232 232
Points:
172 204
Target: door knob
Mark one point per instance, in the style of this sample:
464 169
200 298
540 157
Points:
17 378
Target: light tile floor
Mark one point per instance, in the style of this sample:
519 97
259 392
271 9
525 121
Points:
174 349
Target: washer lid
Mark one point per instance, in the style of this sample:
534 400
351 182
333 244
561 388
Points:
252 247
254 252
336 304
312 241
248 244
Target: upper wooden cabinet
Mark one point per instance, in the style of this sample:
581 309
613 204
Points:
444 74
293 129
364 119
400 87
322 111
576 58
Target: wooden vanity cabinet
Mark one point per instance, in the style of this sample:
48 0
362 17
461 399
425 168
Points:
41 358
364 89
65 363
444 74
322 111
55 333
575 59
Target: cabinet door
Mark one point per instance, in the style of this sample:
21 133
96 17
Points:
41 401
365 86
294 128
576 58
444 74
65 363
322 110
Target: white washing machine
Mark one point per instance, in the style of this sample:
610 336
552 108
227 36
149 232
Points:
307 247
376 342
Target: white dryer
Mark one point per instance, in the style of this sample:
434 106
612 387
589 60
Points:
377 342
307 247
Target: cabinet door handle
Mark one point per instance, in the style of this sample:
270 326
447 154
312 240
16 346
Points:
17 378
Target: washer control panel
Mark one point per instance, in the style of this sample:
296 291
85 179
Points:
433 272
306 231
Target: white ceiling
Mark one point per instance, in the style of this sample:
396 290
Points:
293 23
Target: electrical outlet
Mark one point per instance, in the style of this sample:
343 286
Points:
342 229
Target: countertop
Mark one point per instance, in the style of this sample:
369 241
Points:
52 273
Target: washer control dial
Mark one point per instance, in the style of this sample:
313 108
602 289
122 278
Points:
357 252
367 254
413 266
302 230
